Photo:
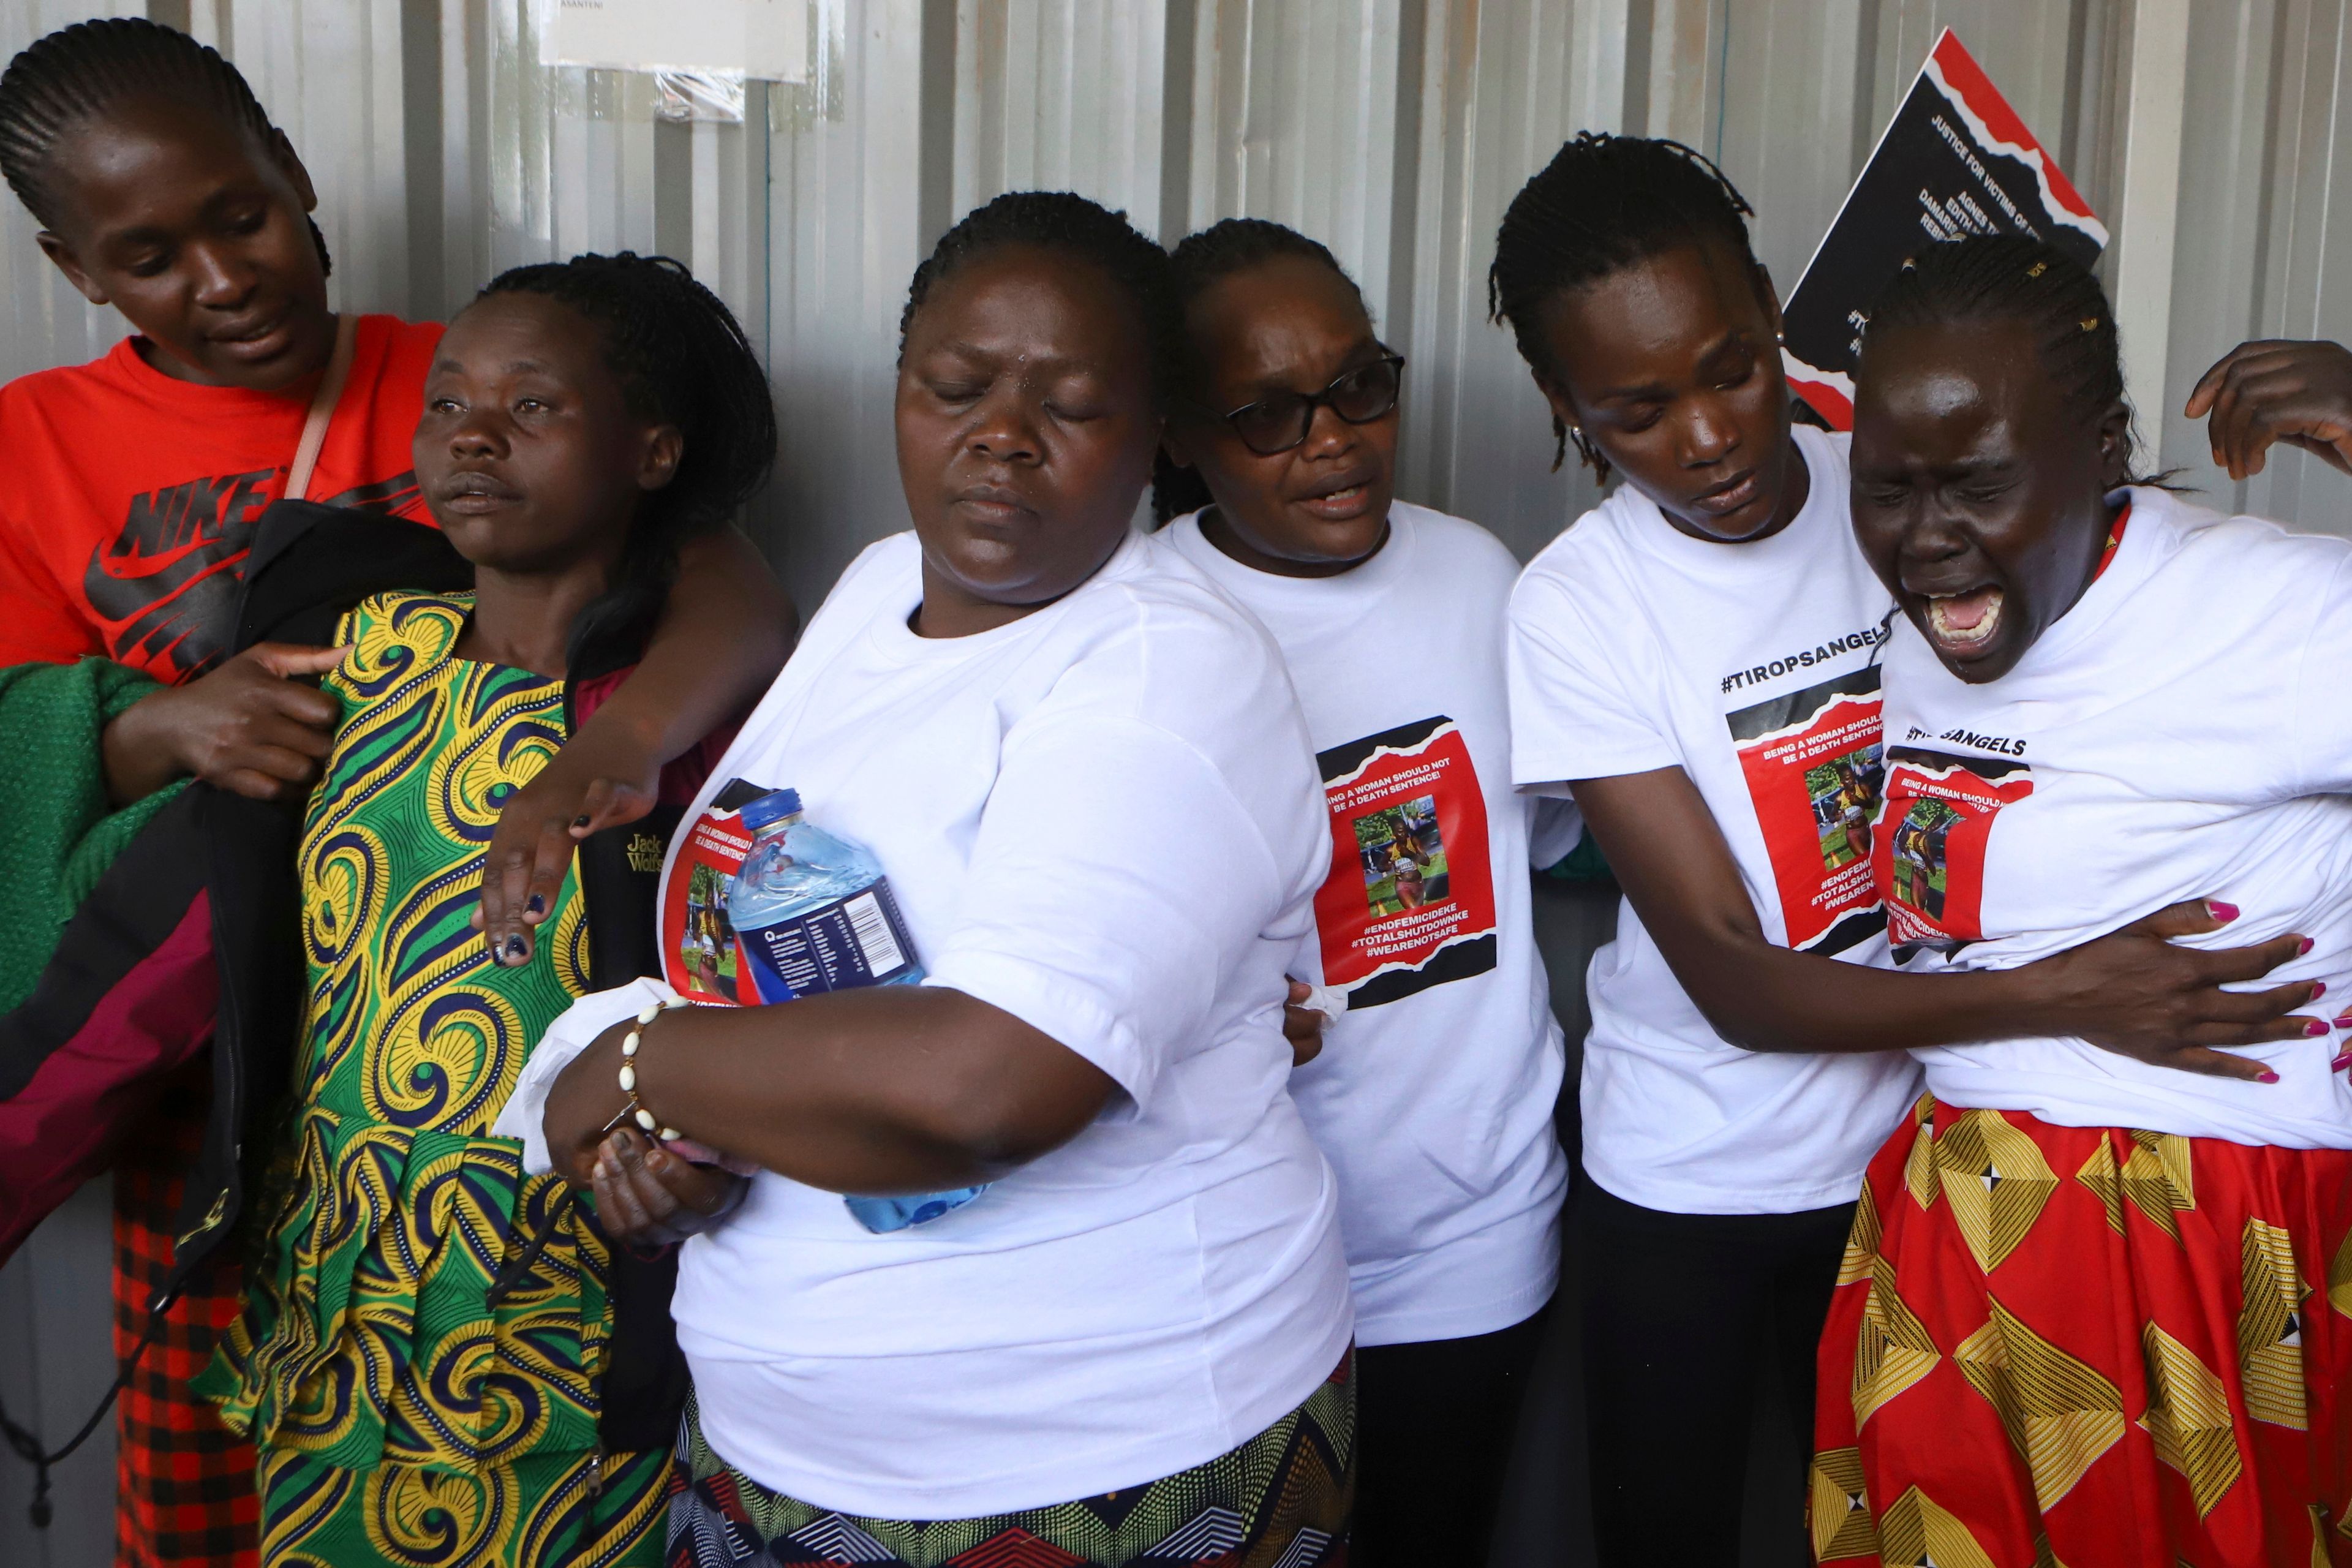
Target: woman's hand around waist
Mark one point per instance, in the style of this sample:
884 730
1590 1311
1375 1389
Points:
1302 1024
2139 993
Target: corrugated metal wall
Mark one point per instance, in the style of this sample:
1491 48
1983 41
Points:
1395 129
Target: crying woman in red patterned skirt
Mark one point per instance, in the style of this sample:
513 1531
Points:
2093 1312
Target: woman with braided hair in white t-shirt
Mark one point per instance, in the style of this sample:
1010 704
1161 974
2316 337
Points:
2093 1312
1433 1095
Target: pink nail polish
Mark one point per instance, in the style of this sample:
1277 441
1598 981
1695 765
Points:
2304 945
2220 911
2318 989
2314 1029
2340 1063
2268 1077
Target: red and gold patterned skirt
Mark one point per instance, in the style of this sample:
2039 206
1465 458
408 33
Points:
2088 1346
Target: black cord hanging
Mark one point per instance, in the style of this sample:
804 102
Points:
27 1444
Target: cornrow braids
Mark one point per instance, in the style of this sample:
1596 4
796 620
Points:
1603 203
1229 246
682 359
1236 244
77 74
2016 278
1062 221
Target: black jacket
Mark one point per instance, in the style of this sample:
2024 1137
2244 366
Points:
309 565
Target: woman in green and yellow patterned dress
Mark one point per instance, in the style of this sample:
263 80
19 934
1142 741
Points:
581 419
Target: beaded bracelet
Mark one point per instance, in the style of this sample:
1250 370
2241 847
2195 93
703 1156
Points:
629 1044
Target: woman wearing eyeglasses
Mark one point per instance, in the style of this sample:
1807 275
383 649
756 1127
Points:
1432 1098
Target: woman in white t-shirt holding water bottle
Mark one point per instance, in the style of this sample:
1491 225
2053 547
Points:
1083 771
1696 659
1433 1095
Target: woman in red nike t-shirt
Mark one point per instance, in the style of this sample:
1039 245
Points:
131 491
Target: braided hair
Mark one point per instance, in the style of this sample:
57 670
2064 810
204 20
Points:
2016 278
682 359
1062 221
1603 203
1233 245
77 74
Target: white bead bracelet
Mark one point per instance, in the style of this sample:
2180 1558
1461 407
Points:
629 1043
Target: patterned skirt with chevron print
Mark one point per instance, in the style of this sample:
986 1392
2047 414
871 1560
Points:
2088 1346
1280 1501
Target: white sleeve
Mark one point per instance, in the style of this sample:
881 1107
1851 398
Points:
1115 881
1579 709
574 1030
2322 691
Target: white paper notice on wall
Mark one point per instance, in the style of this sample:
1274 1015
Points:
764 40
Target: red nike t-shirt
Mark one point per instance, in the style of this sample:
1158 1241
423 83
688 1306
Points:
129 500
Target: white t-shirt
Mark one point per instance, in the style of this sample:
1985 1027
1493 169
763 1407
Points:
1433 1096
2183 732
1635 647
1105 819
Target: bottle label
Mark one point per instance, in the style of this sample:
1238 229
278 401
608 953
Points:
857 941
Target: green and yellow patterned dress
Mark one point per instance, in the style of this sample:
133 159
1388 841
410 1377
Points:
399 1420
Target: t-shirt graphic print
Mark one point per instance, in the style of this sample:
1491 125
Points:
136 555
1930 860
1410 903
1811 761
702 956
165 587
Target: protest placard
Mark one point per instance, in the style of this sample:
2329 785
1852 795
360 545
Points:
1955 160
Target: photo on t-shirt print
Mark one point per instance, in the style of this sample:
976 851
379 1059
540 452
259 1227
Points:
1844 793
1920 856
702 958
1811 760
1929 867
1408 902
1404 856
708 947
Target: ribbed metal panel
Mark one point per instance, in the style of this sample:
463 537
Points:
43 321
1395 130
2265 242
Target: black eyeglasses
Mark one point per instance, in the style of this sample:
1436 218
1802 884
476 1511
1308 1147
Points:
1280 422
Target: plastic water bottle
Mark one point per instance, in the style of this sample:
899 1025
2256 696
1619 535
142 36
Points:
813 913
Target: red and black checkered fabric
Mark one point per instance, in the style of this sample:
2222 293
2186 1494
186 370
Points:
184 1483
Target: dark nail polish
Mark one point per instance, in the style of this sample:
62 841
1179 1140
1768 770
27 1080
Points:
2268 1077
2314 1029
538 906
517 951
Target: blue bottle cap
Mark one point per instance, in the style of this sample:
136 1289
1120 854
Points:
773 806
